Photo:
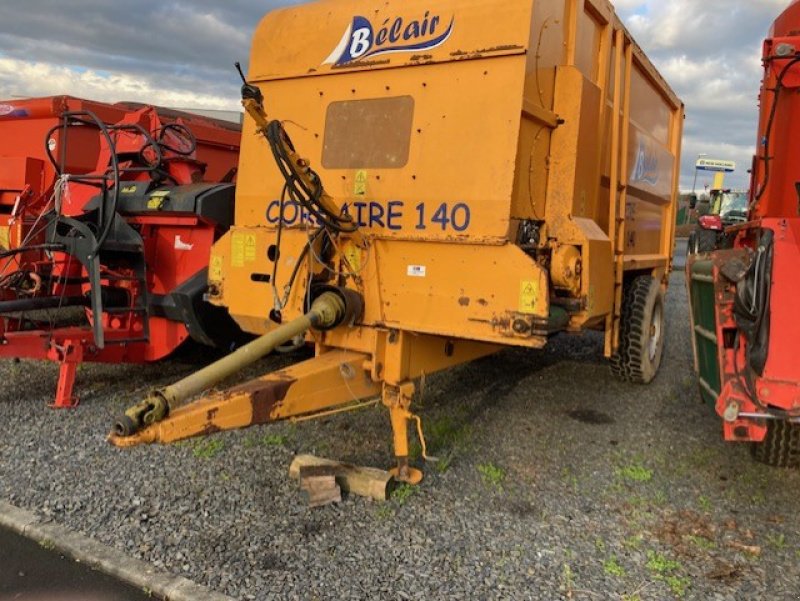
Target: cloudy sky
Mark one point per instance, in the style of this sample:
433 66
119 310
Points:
180 53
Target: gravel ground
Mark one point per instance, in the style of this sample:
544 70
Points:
555 481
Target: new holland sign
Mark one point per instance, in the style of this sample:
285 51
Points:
715 165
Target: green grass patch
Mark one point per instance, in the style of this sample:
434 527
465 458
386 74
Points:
567 580
403 493
611 567
492 475
445 463
679 585
599 544
446 435
447 432
274 440
668 571
701 542
208 448
570 478
635 473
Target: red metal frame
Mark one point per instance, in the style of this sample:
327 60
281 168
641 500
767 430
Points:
28 182
746 402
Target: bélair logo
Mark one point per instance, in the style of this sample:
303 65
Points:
646 168
362 40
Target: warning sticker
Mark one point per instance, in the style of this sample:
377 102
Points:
417 271
528 296
215 269
360 188
157 200
4 238
352 255
250 248
243 249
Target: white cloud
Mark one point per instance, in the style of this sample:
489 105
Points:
710 52
180 53
22 79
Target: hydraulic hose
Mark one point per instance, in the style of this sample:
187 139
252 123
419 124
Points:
328 310
42 303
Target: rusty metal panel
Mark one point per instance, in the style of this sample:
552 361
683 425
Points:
368 134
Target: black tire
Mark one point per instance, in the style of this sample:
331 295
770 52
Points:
705 241
641 337
781 447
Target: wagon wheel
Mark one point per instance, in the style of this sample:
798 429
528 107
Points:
641 341
702 241
781 447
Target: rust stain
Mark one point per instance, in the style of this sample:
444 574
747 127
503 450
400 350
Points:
483 302
464 301
482 51
265 395
211 414
359 64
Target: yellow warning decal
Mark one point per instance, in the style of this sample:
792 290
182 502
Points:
4 238
360 188
250 248
352 255
243 249
215 269
237 251
157 199
528 296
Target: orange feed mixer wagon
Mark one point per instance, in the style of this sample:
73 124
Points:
107 218
422 184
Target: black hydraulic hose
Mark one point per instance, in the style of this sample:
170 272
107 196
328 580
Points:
150 142
761 189
41 303
296 188
757 313
105 223
22 249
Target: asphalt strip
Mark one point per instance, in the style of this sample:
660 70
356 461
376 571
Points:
106 559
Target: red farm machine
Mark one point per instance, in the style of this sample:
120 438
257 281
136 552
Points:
743 299
107 217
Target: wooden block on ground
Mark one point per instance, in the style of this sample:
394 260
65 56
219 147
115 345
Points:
319 481
318 497
362 481
317 471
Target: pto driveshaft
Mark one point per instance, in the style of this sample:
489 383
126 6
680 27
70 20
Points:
327 311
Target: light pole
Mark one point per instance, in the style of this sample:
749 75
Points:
699 156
